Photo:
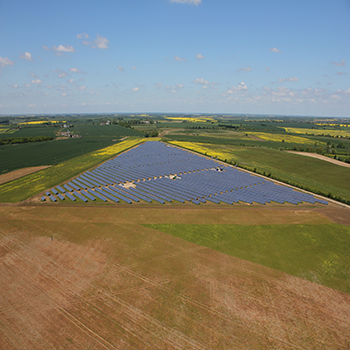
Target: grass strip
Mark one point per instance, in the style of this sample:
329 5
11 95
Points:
318 253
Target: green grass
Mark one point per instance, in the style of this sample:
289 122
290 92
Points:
30 185
318 253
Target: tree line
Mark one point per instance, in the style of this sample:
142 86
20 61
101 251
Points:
15 140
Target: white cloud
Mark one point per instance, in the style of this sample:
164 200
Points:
4 61
342 73
31 105
70 81
201 81
135 89
191 2
15 86
267 69
82 87
287 79
275 50
133 68
204 87
174 89
248 69
177 58
61 48
158 85
121 68
63 94
26 56
199 57
75 70
36 81
101 42
340 64
94 93
61 73
235 89
80 36
27 85
46 48
335 97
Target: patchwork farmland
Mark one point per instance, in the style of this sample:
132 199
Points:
168 245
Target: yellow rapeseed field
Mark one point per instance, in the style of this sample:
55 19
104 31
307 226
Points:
344 133
192 119
43 122
211 152
327 124
280 137
115 149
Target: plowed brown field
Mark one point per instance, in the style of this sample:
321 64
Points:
106 282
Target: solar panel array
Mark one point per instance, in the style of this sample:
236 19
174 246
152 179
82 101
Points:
154 171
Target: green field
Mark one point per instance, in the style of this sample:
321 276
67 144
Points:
90 130
47 153
318 253
30 131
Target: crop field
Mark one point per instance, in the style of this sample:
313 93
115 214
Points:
286 166
30 185
283 137
103 131
343 133
99 278
47 153
31 132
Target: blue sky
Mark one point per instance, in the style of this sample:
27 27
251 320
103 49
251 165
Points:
185 56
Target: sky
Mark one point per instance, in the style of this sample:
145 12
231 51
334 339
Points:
287 57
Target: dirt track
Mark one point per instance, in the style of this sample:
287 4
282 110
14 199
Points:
107 282
16 174
319 156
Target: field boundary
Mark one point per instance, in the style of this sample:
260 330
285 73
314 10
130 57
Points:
321 157
16 174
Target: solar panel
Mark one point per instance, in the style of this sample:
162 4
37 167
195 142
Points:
97 195
86 194
198 179
70 197
61 189
77 194
60 196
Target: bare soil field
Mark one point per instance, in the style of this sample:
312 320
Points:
319 156
103 281
16 174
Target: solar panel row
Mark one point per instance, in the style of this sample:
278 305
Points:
151 167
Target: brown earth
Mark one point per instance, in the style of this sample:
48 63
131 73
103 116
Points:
16 174
107 282
319 156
